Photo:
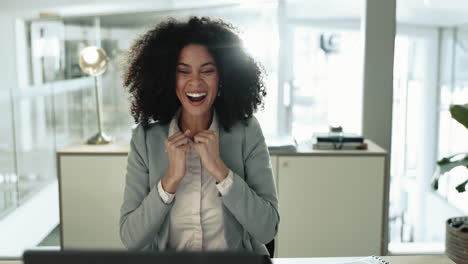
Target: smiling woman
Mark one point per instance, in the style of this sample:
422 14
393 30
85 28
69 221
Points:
155 62
199 175
196 81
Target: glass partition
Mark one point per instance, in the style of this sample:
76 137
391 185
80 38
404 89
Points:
8 178
318 96
429 75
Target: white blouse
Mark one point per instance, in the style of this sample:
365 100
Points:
196 218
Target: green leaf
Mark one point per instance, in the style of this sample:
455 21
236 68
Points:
435 183
462 187
447 164
460 113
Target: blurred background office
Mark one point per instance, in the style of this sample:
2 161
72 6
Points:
314 54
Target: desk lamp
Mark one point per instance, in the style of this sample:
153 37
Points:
93 62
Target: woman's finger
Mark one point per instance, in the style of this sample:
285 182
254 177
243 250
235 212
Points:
174 135
185 147
201 138
177 138
208 133
197 146
180 141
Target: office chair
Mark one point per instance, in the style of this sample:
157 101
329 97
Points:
271 248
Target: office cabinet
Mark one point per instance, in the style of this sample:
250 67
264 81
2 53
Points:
331 204
91 184
274 165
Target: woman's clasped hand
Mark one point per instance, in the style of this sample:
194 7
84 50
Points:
206 143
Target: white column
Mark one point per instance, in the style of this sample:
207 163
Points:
379 34
379 28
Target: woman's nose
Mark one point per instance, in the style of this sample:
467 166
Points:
195 80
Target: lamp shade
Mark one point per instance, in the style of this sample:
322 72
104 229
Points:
93 61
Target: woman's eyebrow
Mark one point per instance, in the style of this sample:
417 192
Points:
204 64
208 63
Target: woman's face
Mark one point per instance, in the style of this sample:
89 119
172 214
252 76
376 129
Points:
196 79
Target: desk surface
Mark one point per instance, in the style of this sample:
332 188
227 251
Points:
426 259
304 149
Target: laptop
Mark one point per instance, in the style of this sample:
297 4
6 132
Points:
140 257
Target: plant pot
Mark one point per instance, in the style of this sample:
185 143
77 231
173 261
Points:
456 239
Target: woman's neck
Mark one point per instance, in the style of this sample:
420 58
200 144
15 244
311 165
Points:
195 123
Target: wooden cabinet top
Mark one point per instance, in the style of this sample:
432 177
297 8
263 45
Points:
84 149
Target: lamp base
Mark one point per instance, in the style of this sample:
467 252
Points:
99 139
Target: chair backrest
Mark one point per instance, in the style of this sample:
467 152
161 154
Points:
271 248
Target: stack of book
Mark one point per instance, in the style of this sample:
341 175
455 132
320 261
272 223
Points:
332 140
281 144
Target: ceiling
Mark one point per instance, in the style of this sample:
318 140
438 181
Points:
416 12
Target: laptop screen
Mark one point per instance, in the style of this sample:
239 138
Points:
140 257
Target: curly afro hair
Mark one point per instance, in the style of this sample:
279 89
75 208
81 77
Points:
150 77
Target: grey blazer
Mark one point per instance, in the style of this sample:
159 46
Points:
250 208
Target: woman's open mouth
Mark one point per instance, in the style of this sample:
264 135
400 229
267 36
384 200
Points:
196 98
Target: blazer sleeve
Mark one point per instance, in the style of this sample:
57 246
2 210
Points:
142 212
253 201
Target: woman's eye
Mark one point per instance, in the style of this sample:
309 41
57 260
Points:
208 71
183 72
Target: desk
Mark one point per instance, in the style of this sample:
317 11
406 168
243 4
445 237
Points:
92 180
426 259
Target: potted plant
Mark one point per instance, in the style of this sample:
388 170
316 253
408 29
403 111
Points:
456 235
460 114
